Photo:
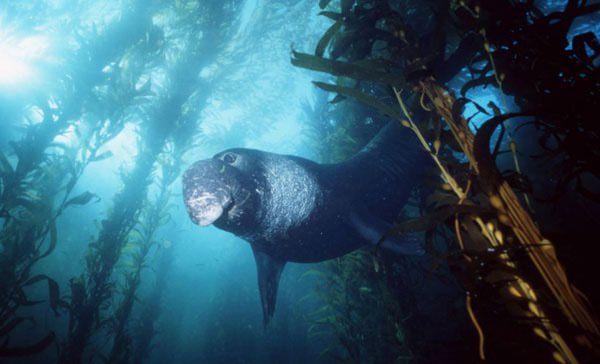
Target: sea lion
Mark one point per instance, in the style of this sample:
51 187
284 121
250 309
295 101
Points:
291 209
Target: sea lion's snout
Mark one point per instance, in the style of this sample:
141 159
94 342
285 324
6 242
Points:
205 193
206 208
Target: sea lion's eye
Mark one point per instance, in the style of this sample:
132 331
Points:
229 158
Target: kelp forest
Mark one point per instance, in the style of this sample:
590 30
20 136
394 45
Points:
105 104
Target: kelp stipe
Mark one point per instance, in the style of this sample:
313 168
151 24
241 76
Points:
134 346
135 256
145 329
28 213
92 291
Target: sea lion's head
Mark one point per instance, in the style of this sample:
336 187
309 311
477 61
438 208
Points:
223 190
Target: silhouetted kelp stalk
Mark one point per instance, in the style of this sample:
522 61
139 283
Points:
122 340
145 327
90 293
156 214
508 268
28 234
29 229
135 254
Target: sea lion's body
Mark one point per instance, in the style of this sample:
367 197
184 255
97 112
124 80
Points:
293 209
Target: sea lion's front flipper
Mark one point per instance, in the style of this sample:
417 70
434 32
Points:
373 229
269 270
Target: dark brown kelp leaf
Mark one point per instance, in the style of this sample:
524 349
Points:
331 15
323 3
496 110
5 167
82 199
357 44
361 97
338 98
346 41
583 41
438 199
54 295
10 326
474 239
482 81
53 291
53 239
490 176
448 139
366 71
437 217
479 108
102 156
326 38
346 6
518 181
38 347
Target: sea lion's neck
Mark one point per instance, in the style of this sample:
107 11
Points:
292 193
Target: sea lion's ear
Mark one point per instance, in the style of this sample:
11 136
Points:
269 270
373 229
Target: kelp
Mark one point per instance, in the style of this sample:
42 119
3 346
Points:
360 311
92 291
136 252
145 327
482 243
37 184
556 83
167 133
510 272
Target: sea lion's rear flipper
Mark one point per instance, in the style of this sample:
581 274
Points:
373 229
269 271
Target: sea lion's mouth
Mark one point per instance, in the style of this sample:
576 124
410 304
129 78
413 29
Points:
206 208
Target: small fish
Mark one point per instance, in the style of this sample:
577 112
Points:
364 289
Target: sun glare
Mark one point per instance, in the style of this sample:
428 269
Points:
17 59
